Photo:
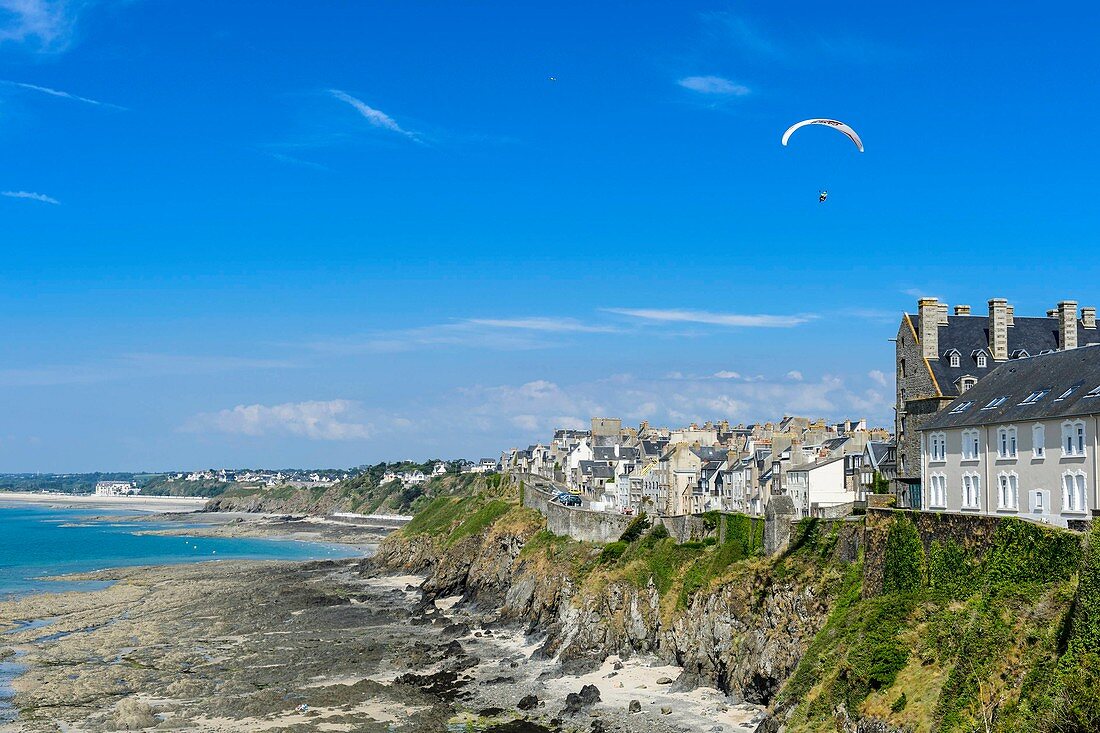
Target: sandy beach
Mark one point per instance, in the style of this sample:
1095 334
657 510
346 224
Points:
168 504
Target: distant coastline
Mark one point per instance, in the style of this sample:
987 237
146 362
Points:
170 504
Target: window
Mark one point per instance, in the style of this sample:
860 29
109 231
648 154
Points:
995 403
1038 502
1036 395
1073 438
981 361
1038 441
1006 442
937 491
1067 393
971 445
1008 485
1095 392
953 356
1074 498
937 447
966 383
971 491
961 408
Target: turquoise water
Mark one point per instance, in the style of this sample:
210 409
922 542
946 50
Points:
37 541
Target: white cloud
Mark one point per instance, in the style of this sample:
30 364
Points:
58 93
540 324
878 377
794 375
725 374
315 420
30 196
376 117
47 25
717 319
713 85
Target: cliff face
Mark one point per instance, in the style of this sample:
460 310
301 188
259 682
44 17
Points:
744 635
935 625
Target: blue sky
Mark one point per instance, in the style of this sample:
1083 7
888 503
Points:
337 233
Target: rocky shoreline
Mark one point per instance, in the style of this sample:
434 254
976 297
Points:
334 645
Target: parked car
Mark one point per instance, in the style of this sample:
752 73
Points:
571 500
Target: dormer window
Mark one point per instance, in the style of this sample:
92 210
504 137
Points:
966 383
954 358
982 362
1019 354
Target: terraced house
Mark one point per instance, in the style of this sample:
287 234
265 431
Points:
941 356
1022 442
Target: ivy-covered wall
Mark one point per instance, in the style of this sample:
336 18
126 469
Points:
946 553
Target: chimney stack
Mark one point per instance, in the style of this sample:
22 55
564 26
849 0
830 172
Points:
1052 313
796 452
1088 317
943 314
1067 324
962 310
998 329
1011 312
929 311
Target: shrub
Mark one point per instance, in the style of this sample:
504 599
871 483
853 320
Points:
903 561
899 704
612 552
636 528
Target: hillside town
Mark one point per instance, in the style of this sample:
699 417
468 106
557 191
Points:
996 414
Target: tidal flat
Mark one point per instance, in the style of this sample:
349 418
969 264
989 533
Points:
241 646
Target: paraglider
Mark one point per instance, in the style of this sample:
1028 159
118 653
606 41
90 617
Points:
837 125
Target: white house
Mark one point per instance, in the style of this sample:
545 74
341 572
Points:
115 488
1021 442
817 486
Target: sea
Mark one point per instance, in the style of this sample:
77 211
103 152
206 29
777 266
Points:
37 542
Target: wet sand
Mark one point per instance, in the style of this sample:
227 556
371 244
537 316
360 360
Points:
172 504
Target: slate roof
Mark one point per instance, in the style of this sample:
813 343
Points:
833 443
1015 380
970 334
710 453
603 453
805 467
879 452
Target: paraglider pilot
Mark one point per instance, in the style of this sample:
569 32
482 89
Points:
821 196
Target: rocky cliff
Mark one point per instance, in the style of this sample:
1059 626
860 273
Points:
938 629
743 631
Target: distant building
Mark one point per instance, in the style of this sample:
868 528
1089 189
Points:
115 488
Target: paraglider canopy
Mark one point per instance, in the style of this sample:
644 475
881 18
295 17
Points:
835 124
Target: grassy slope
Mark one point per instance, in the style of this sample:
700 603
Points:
953 643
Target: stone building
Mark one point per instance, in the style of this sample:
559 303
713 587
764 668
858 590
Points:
941 356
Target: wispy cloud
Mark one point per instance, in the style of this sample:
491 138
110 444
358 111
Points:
132 366
713 85
877 376
59 93
46 25
716 319
553 325
30 196
315 420
498 334
376 117
745 34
